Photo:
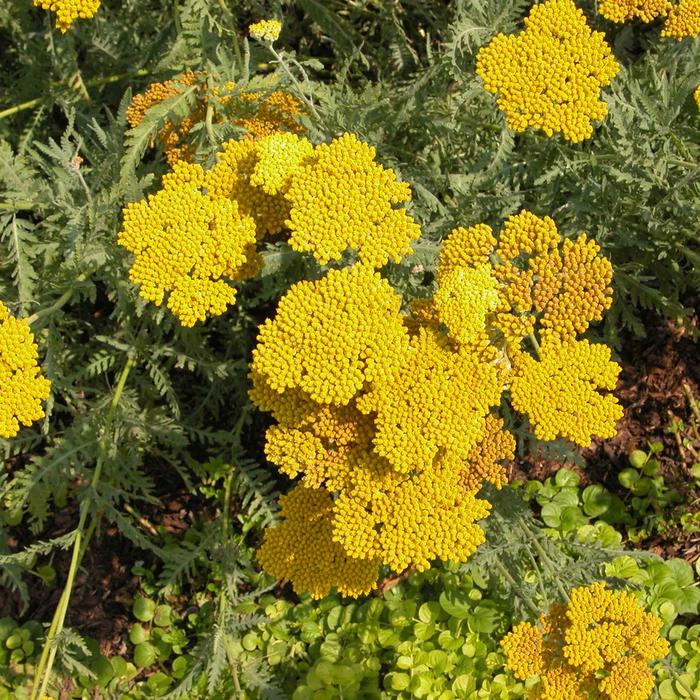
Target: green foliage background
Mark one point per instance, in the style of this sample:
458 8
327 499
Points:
401 76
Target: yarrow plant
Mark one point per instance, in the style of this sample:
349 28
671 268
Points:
682 19
23 388
390 419
597 645
550 75
67 11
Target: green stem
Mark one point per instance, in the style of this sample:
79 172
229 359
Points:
59 303
535 344
92 83
680 681
296 83
545 559
48 654
513 584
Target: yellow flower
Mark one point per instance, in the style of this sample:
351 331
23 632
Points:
259 114
524 650
329 337
22 388
188 244
464 298
279 157
67 11
265 30
342 199
550 76
597 645
301 549
438 401
625 10
683 20
465 247
560 391
421 518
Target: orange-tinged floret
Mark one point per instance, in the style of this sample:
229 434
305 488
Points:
625 10
683 20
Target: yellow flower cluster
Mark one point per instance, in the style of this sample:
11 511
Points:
560 392
265 30
597 645
683 20
188 244
625 10
302 550
550 75
343 199
22 388
67 11
393 416
259 114
546 286
389 423
332 336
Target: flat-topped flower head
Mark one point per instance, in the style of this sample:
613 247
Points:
465 247
626 10
22 387
420 519
265 30
561 391
438 401
301 549
332 336
683 20
598 645
67 11
550 76
343 199
188 245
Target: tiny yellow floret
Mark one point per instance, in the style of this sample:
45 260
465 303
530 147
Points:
626 10
265 30
683 20
22 387
550 76
67 11
343 199
188 244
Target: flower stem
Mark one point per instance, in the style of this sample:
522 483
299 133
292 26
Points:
297 85
10 111
48 654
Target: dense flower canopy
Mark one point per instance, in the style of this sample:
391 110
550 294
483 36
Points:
330 337
22 387
67 11
597 645
683 20
550 75
395 414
